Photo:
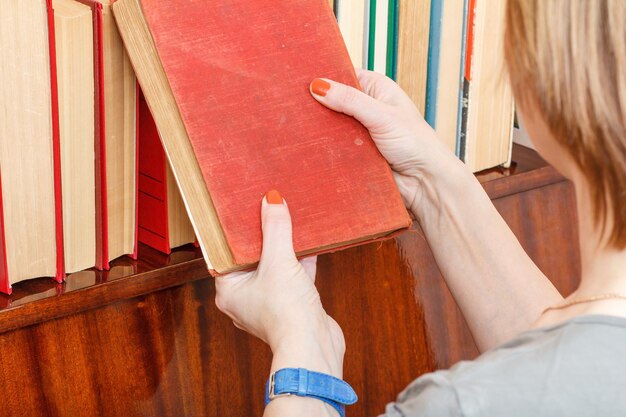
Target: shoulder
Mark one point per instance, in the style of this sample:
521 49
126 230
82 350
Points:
573 367
432 394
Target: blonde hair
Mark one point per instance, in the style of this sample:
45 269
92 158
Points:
567 58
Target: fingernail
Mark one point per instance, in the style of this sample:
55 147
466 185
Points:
320 87
273 197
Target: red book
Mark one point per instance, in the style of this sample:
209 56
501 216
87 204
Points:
227 84
108 54
29 101
163 221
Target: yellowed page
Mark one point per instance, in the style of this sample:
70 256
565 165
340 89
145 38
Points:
490 122
120 113
75 76
26 140
179 225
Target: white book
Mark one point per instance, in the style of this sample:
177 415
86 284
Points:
352 16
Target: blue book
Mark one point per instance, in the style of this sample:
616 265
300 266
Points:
434 51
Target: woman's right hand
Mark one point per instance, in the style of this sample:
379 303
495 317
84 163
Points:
401 134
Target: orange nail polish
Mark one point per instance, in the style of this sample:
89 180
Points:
320 87
273 197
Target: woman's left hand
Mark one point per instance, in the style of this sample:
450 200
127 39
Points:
279 302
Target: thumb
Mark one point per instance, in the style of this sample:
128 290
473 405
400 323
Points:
276 226
349 100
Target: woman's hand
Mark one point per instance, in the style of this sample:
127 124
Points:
498 288
279 302
398 129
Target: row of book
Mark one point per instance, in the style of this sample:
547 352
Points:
448 56
83 173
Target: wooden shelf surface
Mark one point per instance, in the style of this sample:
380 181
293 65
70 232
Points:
43 299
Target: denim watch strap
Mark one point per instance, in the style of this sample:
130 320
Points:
305 383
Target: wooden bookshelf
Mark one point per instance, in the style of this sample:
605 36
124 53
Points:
146 339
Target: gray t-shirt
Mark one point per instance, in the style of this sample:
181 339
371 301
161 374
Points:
576 368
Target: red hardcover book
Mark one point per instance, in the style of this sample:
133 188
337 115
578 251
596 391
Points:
227 84
7 275
153 230
163 224
56 148
100 143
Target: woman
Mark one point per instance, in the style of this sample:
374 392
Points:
544 356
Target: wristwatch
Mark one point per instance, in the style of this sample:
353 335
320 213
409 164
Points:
305 383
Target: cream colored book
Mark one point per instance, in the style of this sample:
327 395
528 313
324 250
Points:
449 80
27 137
120 104
487 138
413 32
75 77
352 19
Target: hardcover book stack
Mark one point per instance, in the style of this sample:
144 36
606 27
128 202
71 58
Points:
94 159
71 190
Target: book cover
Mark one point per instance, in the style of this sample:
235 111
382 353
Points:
162 220
56 147
434 53
444 65
228 88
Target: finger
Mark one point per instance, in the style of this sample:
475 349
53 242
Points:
276 225
351 101
310 266
383 89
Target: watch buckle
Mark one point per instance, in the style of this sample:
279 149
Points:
272 395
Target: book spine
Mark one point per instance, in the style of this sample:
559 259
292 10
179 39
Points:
462 94
391 38
153 226
5 284
434 52
467 78
371 36
396 37
102 226
56 146
137 150
381 35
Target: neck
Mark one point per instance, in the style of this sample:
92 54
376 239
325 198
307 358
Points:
603 268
